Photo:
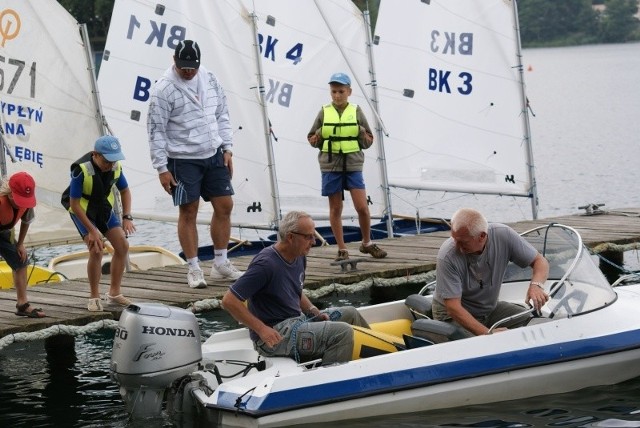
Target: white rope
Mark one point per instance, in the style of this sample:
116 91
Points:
204 305
608 246
419 279
59 329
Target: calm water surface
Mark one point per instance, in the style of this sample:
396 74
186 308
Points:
585 131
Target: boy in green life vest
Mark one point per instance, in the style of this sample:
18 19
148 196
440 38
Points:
89 200
341 133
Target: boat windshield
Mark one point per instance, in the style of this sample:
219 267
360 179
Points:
576 283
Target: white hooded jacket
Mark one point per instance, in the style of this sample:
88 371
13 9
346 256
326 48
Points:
180 126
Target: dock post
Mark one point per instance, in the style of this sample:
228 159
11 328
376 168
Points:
611 270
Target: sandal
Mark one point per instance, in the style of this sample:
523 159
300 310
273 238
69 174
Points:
33 313
118 300
94 305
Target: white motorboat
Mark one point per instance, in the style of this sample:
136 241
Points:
587 334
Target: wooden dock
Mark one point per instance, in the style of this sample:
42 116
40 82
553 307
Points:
65 302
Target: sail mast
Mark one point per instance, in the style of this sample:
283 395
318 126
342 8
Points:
380 129
525 117
92 73
102 121
275 196
382 161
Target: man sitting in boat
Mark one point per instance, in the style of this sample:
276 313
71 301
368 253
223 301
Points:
469 272
281 318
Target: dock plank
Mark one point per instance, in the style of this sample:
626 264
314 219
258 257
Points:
65 302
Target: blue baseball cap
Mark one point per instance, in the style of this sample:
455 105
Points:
340 78
109 147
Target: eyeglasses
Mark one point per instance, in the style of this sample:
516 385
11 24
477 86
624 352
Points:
307 236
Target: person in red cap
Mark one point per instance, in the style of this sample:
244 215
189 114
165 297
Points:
17 200
89 200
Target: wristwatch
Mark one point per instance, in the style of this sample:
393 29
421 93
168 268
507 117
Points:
127 217
227 151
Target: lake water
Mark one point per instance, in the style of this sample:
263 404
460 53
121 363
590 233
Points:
585 131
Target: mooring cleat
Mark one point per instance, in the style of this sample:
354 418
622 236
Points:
348 265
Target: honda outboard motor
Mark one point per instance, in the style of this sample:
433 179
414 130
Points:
154 345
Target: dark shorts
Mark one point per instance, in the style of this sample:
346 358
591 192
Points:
206 178
332 182
9 251
102 226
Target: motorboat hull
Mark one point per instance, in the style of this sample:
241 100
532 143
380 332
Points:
587 334
573 353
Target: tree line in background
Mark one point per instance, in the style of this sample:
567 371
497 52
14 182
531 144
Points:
576 22
542 22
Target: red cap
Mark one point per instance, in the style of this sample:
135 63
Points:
23 189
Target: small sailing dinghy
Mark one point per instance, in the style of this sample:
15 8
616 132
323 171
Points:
141 257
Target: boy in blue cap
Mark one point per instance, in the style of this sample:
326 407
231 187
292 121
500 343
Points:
89 200
341 133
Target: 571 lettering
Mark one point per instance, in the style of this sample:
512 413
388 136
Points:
16 66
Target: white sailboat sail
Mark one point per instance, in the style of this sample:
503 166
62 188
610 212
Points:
48 116
452 100
297 54
140 45
302 44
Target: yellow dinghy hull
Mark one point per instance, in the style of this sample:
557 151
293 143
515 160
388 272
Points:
36 275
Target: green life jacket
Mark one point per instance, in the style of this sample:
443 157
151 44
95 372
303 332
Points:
94 191
340 133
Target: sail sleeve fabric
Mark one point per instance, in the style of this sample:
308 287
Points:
49 114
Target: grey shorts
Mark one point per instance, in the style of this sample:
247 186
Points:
309 340
9 251
502 310
206 178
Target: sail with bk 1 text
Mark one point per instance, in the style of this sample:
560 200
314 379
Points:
274 59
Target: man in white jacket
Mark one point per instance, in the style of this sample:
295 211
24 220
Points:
190 140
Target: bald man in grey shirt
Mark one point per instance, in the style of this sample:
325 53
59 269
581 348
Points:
470 269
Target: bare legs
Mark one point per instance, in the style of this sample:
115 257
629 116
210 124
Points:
359 197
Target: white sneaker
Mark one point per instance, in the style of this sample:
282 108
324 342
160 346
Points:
195 278
225 271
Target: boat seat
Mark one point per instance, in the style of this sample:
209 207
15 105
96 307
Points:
412 342
436 331
419 305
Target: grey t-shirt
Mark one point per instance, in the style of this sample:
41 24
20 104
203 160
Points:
476 279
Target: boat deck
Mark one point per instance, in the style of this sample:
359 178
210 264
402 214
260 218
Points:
65 302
